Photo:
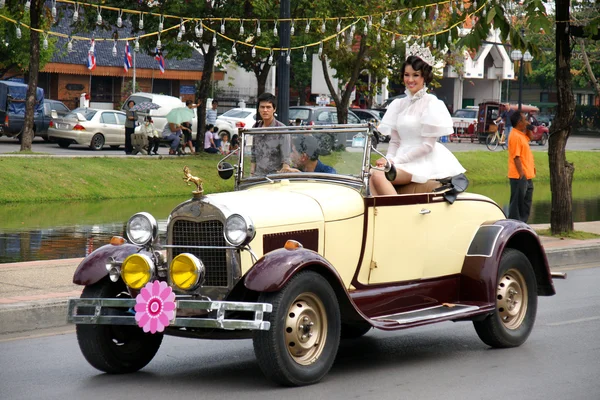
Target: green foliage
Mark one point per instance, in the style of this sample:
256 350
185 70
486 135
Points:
16 53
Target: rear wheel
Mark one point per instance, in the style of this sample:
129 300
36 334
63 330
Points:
63 143
491 141
543 140
303 340
115 349
516 303
97 142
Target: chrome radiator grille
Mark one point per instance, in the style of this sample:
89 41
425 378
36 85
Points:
206 233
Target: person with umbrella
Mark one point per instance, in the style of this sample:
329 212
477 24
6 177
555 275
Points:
131 118
172 131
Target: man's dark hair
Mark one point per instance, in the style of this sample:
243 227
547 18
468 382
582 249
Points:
515 118
308 145
209 127
268 97
188 103
215 102
418 65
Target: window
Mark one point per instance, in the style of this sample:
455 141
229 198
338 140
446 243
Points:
352 119
120 118
85 112
60 108
108 118
236 113
325 116
301 113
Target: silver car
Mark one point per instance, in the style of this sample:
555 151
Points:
89 127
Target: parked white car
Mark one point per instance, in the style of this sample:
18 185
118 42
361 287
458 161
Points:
90 127
231 121
166 103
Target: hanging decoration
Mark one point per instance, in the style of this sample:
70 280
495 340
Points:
292 29
141 24
76 12
161 20
199 30
18 31
275 33
27 6
120 19
99 18
258 32
241 27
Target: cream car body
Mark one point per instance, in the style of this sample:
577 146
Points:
297 260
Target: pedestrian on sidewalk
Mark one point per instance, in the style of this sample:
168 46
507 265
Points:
521 168
211 115
130 120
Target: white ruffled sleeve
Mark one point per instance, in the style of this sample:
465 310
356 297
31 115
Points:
387 127
436 119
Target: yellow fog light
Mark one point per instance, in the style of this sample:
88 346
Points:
137 270
187 271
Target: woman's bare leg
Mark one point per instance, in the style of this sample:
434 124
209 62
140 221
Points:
380 186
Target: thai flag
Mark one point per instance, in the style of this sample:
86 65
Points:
160 59
92 56
127 61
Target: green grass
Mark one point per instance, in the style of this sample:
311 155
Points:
43 179
569 235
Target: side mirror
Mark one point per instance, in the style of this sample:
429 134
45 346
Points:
225 170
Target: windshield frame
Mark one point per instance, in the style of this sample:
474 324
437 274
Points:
360 181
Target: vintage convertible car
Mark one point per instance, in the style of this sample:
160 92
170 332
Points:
299 260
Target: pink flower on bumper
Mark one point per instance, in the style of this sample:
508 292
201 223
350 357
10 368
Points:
155 307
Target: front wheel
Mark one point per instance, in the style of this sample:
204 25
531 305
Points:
516 303
301 345
115 349
491 141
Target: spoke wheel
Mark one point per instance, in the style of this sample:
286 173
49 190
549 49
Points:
97 142
491 142
306 330
516 303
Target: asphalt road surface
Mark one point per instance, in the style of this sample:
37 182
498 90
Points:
10 145
561 360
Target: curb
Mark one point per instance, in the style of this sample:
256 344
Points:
29 316
573 256
32 316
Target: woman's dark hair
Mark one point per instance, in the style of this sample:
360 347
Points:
419 65
234 140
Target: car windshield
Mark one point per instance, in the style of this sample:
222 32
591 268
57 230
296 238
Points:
236 113
301 113
332 153
465 114
87 113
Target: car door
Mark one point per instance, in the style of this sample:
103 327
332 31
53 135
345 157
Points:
399 238
109 127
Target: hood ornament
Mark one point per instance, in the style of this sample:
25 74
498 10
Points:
189 179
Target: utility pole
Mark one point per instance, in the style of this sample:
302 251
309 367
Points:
283 68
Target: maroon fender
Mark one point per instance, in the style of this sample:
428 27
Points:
93 267
274 269
479 272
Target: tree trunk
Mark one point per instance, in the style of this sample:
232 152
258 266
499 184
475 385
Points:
588 67
205 82
261 78
34 67
342 103
561 171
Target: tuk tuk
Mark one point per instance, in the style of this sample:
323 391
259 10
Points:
490 111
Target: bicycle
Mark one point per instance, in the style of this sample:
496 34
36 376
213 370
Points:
494 139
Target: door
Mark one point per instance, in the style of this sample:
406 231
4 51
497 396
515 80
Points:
109 127
399 239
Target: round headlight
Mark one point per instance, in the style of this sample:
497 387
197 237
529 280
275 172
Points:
238 230
142 228
187 271
137 270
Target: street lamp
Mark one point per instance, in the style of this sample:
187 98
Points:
517 55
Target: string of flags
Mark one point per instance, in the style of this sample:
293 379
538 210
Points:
366 21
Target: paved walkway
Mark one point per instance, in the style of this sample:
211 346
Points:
33 294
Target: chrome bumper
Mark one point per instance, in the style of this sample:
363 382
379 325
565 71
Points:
219 321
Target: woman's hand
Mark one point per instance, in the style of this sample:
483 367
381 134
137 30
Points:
382 162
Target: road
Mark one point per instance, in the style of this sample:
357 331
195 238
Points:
10 145
561 360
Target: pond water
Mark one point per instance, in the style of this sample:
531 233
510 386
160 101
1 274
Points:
57 230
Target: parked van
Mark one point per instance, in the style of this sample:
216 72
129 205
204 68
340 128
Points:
166 103
12 108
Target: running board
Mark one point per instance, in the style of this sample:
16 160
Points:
432 313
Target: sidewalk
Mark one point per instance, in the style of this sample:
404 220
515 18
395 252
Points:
33 295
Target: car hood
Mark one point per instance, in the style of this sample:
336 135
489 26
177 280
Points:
288 203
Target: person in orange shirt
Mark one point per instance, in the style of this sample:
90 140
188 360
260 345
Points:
521 168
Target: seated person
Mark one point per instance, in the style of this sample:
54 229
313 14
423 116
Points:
172 133
305 156
235 143
209 144
152 135
225 145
